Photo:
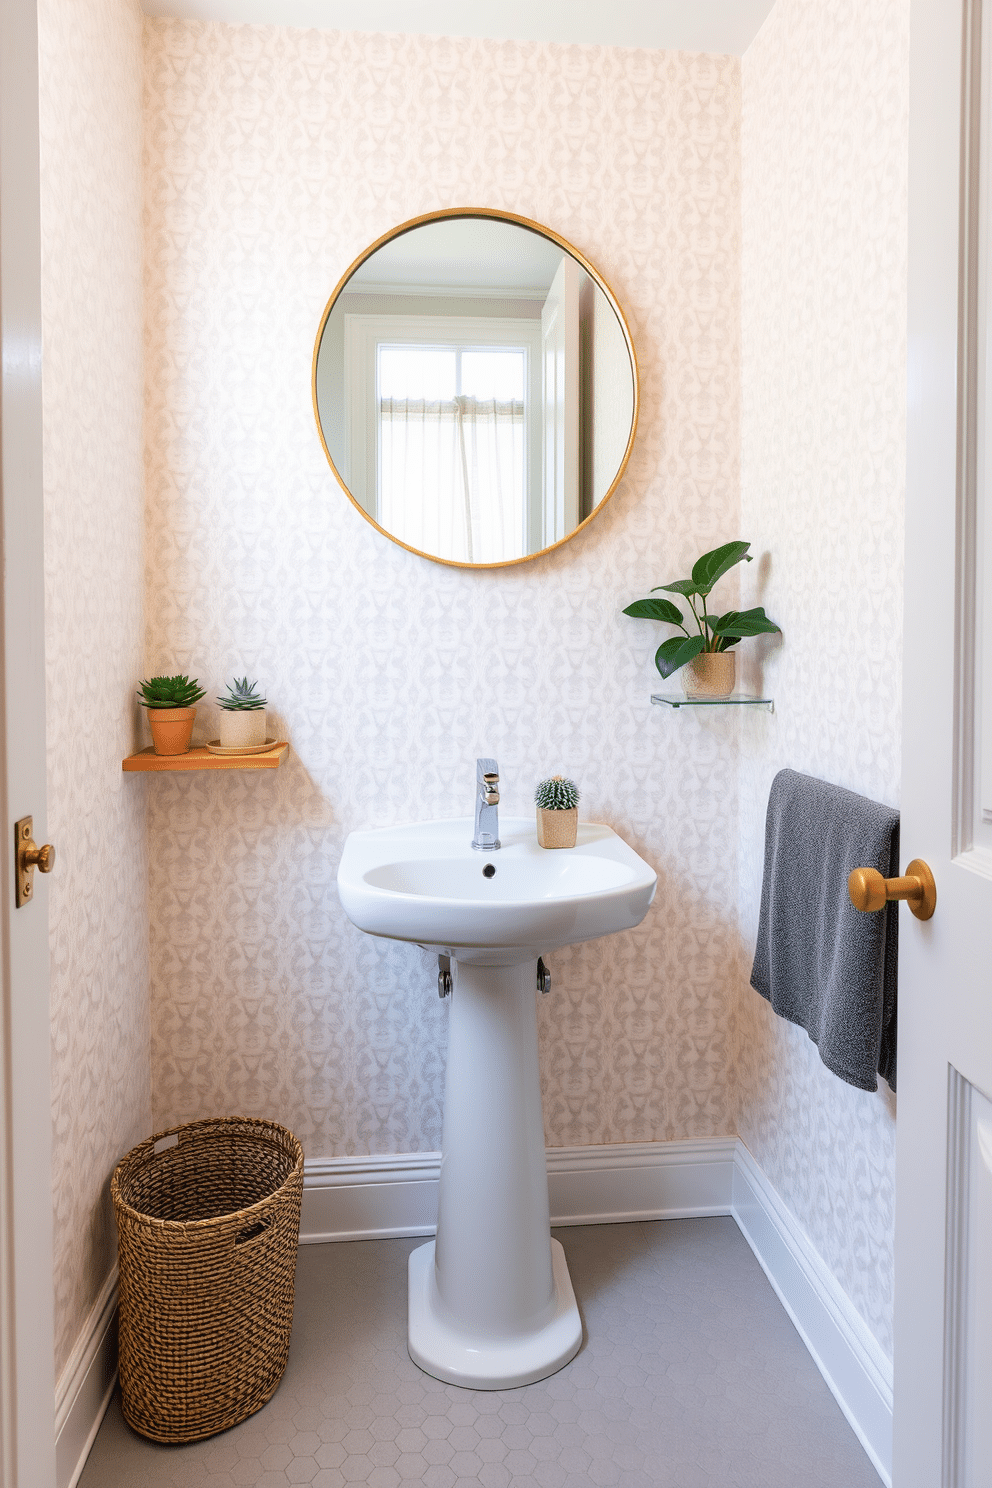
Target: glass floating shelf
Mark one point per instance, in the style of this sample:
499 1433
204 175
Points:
736 700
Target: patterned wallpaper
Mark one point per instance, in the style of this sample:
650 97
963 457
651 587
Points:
273 156
92 308
824 161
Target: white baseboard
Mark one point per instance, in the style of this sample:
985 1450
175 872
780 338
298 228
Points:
640 1180
370 1198
362 1198
85 1386
843 1348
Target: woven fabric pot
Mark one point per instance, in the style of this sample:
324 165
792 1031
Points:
557 828
208 1222
711 674
172 729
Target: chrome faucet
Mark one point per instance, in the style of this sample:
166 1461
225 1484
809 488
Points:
486 837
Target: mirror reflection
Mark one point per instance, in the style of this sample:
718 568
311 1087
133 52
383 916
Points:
475 389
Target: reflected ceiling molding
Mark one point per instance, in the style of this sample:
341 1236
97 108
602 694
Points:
722 26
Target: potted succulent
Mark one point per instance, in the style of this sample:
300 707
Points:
242 716
708 662
557 803
171 706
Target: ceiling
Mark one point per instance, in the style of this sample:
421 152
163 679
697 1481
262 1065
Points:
468 251
683 25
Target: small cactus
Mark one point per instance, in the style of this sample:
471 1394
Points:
241 697
557 794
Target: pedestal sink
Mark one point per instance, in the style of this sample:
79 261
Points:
491 1303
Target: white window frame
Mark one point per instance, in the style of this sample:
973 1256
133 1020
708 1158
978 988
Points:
364 334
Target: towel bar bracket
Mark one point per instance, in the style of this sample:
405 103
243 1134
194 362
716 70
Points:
869 891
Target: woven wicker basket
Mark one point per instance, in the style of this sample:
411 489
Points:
208 1221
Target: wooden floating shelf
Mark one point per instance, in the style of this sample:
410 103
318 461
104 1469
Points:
200 758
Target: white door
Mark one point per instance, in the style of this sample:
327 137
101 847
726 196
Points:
943 1296
560 360
27 1383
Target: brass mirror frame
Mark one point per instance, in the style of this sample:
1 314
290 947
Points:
447 215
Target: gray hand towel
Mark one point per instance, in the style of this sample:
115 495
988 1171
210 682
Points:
820 962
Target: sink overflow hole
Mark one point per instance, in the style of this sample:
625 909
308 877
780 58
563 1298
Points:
489 871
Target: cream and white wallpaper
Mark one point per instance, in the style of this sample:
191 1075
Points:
91 181
824 161
767 255
273 156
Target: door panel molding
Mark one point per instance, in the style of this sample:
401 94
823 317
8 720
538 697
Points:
968 1297
958 1145
971 336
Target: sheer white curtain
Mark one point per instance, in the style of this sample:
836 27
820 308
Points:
452 476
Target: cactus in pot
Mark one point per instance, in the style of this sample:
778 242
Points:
242 715
557 801
170 703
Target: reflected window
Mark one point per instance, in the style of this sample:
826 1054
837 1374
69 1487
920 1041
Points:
451 449
445 434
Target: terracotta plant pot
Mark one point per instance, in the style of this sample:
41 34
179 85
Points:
172 729
711 674
557 828
242 728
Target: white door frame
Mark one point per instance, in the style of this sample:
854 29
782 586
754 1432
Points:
27 1370
943 1011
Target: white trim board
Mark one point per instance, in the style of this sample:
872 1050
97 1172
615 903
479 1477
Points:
364 1198
704 26
367 1198
842 1346
85 1386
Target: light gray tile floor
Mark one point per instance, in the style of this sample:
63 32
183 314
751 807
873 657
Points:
690 1375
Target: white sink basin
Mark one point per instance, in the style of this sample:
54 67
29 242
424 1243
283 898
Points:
425 883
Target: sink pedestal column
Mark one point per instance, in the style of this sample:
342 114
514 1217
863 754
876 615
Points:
491 1302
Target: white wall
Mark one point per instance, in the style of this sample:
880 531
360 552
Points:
824 160
91 179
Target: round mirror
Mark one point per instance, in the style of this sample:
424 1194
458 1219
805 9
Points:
475 387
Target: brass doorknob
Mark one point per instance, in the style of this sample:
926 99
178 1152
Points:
869 891
42 858
29 856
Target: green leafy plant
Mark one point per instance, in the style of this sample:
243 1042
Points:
557 794
170 692
713 632
241 697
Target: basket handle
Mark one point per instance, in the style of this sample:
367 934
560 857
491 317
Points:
252 1232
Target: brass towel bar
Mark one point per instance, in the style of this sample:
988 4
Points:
869 891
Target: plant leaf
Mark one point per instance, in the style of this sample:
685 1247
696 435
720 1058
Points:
745 623
675 653
680 586
726 642
655 609
713 565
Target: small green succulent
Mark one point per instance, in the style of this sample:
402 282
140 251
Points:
241 697
557 794
170 692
